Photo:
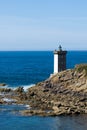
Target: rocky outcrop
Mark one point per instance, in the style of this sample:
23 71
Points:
62 94
2 84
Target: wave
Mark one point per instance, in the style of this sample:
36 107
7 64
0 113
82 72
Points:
25 87
28 86
9 100
6 86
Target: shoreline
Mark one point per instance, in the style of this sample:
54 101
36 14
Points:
62 94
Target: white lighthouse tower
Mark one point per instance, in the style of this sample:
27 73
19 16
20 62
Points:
59 60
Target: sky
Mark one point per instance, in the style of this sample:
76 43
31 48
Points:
43 24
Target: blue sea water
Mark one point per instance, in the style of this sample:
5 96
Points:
24 68
30 67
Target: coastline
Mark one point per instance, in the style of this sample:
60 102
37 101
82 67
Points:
62 94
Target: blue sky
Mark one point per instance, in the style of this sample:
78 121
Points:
43 24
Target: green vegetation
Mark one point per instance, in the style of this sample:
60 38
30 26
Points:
81 67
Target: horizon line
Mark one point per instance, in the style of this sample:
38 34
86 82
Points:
41 50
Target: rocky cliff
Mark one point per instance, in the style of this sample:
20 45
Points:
61 94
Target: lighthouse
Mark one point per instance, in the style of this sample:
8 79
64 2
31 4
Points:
59 60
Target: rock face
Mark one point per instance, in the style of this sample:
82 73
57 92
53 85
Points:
62 94
3 84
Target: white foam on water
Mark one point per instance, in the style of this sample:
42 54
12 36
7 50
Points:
9 100
26 87
27 106
6 86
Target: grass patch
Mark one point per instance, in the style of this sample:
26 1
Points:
81 67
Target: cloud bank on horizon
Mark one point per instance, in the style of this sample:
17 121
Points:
43 25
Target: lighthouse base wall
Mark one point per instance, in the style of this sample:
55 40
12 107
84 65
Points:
55 63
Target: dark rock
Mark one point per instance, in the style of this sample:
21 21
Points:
45 90
3 84
32 94
7 90
19 90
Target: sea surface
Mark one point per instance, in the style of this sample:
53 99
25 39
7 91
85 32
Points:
26 68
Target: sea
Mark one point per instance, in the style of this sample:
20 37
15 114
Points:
26 68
